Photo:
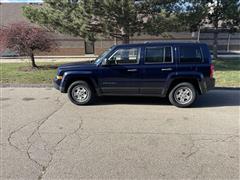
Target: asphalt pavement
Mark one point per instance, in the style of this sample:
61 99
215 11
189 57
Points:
45 136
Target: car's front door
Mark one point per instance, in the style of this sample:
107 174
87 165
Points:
158 66
121 74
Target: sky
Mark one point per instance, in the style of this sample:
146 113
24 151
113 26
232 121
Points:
19 1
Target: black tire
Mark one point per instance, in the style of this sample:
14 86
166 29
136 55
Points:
78 99
184 98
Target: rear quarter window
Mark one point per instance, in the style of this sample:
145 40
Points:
190 54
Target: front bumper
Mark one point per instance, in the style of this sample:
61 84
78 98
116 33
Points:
56 83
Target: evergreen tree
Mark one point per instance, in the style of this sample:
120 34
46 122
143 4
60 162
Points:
66 16
216 13
121 19
223 14
92 18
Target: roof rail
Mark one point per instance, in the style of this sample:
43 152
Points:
173 41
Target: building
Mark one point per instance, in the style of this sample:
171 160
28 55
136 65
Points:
76 46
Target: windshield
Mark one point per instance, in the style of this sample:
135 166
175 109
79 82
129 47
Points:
101 56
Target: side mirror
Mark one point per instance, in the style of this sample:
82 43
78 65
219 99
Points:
105 62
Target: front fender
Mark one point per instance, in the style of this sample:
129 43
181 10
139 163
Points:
73 75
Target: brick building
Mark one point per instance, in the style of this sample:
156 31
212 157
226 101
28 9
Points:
75 46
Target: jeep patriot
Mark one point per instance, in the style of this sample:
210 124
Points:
179 71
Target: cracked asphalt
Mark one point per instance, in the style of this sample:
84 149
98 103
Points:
44 136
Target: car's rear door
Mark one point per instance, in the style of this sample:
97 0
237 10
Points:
158 66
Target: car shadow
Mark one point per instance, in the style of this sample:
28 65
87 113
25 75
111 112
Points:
111 100
214 98
219 98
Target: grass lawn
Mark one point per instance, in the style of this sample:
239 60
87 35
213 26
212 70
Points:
20 73
227 73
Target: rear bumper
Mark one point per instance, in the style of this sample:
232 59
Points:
210 83
207 84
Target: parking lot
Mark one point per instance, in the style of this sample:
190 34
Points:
45 136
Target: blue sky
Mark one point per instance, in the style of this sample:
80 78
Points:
20 1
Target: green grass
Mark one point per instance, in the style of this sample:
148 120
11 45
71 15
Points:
227 73
19 73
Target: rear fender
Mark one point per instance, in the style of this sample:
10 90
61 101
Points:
189 76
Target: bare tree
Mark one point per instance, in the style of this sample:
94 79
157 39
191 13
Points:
26 39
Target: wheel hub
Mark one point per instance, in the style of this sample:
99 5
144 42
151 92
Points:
80 93
183 95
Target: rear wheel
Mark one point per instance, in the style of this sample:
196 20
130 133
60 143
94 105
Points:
81 93
183 95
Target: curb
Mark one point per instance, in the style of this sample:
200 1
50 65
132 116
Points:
26 86
227 88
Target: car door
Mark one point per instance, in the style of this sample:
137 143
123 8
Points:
158 65
120 75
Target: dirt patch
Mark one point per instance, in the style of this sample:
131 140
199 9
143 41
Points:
39 68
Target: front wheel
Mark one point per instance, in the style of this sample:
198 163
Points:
80 93
183 95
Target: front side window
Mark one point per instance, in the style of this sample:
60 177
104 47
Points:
190 54
158 55
125 56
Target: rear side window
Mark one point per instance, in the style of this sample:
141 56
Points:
190 54
158 55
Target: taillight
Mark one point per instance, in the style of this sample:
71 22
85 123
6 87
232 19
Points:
211 71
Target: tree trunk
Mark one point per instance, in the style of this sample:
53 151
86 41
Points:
199 33
126 39
216 18
215 45
33 61
228 44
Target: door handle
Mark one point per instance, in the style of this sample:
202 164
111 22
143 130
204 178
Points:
132 70
167 69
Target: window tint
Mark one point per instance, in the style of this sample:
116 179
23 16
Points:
190 54
125 56
158 55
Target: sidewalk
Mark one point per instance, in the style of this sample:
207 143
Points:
80 58
48 59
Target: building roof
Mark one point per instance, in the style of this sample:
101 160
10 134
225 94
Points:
11 13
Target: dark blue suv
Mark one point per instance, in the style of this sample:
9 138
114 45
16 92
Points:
180 71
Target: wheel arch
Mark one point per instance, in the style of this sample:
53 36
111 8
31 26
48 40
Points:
192 80
71 78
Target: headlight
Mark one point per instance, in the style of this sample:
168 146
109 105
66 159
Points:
59 77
